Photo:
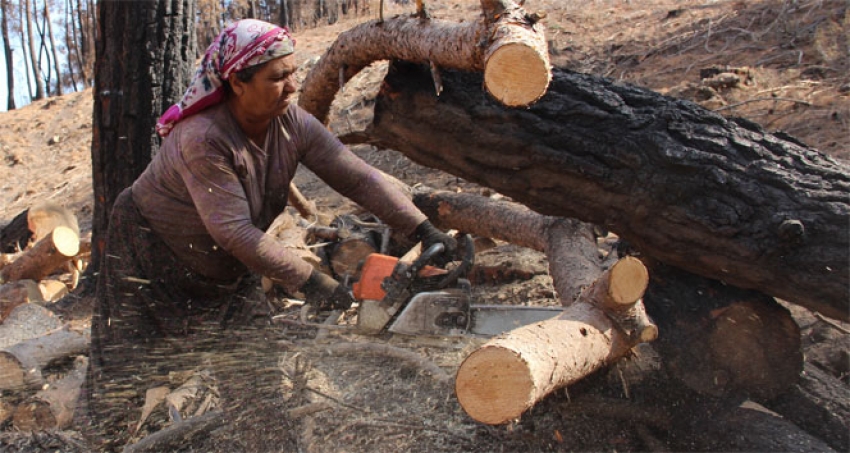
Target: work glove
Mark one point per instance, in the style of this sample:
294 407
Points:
429 235
324 293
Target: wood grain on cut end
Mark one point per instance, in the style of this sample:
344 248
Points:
11 372
628 281
66 241
494 385
516 75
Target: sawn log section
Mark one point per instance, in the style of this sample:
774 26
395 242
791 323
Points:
718 197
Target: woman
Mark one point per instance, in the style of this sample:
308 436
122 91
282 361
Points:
184 240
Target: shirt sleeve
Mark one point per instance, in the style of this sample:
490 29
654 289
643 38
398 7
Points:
349 175
223 206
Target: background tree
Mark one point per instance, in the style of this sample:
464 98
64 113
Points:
7 52
39 82
145 52
53 47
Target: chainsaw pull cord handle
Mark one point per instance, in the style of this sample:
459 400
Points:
465 263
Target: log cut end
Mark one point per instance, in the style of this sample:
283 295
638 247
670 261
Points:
12 374
628 281
516 74
66 241
34 416
494 385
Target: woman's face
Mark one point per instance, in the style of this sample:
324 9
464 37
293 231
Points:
267 94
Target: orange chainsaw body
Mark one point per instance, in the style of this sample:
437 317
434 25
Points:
377 267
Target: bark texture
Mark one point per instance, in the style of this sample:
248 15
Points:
145 53
718 197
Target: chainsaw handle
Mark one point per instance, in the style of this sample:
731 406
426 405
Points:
436 249
465 263
425 257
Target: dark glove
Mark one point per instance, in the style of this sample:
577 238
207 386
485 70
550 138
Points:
324 293
429 235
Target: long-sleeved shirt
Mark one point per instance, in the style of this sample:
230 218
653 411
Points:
211 193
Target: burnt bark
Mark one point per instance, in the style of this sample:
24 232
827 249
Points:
820 404
718 197
144 56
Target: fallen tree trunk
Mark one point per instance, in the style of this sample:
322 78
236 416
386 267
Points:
53 407
505 43
21 365
52 251
717 197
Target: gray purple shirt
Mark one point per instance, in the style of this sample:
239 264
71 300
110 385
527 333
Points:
211 193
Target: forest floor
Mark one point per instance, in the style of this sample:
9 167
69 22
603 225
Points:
792 63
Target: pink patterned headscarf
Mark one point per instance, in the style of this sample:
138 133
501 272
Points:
243 44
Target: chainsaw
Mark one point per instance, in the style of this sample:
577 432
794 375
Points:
417 298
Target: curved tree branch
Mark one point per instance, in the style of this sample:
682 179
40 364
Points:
505 43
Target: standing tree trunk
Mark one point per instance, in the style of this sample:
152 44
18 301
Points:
53 49
7 51
718 197
70 44
140 71
39 83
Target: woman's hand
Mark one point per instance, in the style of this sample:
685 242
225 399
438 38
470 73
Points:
429 235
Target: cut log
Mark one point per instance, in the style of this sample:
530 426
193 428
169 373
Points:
511 373
740 343
53 407
753 209
21 364
820 404
52 290
27 321
17 293
47 255
505 43
45 217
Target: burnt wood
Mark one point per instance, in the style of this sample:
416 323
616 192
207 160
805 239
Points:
719 197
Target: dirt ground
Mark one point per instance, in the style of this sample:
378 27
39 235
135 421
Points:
791 61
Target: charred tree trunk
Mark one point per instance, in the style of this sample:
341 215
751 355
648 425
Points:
132 88
718 197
